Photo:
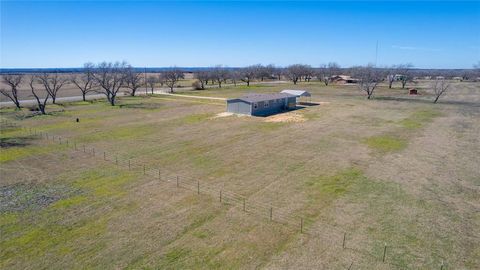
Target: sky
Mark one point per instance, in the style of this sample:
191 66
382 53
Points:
53 34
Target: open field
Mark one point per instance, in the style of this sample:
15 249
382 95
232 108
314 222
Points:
397 170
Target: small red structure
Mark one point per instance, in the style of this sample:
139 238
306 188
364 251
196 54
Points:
413 91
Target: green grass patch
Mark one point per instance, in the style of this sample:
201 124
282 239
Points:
69 202
419 118
104 182
385 143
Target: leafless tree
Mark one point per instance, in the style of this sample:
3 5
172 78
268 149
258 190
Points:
111 77
133 80
171 77
247 74
202 76
220 74
406 73
369 77
326 72
308 73
85 80
52 82
13 81
391 75
41 102
278 72
235 76
151 81
439 87
295 72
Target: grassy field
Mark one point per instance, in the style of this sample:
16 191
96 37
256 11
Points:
396 170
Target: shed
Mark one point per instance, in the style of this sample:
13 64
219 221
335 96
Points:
413 91
262 104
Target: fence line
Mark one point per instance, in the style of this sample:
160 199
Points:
249 206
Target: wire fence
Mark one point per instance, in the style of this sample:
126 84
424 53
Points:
380 252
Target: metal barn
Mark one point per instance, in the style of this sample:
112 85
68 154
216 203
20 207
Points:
262 104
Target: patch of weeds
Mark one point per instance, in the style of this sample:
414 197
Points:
385 143
419 118
21 197
175 255
7 142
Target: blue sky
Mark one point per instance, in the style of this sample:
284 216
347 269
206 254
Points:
427 34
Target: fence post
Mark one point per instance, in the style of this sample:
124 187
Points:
46 134
177 182
244 205
104 156
220 196
271 213
67 142
143 169
129 164
60 140
384 252
198 187
441 266
344 237
93 151
116 160
301 225
84 148
75 146
159 175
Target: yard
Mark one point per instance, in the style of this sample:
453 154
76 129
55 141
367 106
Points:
348 183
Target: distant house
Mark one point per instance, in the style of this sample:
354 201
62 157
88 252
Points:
343 79
262 104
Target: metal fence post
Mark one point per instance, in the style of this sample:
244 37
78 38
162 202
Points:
301 225
384 252
220 196
177 182
244 205
344 237
198 187
159 175
271 213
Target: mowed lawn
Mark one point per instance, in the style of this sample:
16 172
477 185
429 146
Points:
396 170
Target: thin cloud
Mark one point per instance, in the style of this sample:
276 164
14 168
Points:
412 48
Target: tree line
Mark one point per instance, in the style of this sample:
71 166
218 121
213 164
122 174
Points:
109 78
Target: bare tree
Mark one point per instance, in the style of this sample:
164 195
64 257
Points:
52 82
406 73
295 72
110 77
41 102
220 74
13 81
247 74
84 81
369 77
326 72
234 75
133 80
171 77
151 81
439 87
391 75
202 76
278 72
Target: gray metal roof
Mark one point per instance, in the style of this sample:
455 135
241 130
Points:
298 93
262 97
